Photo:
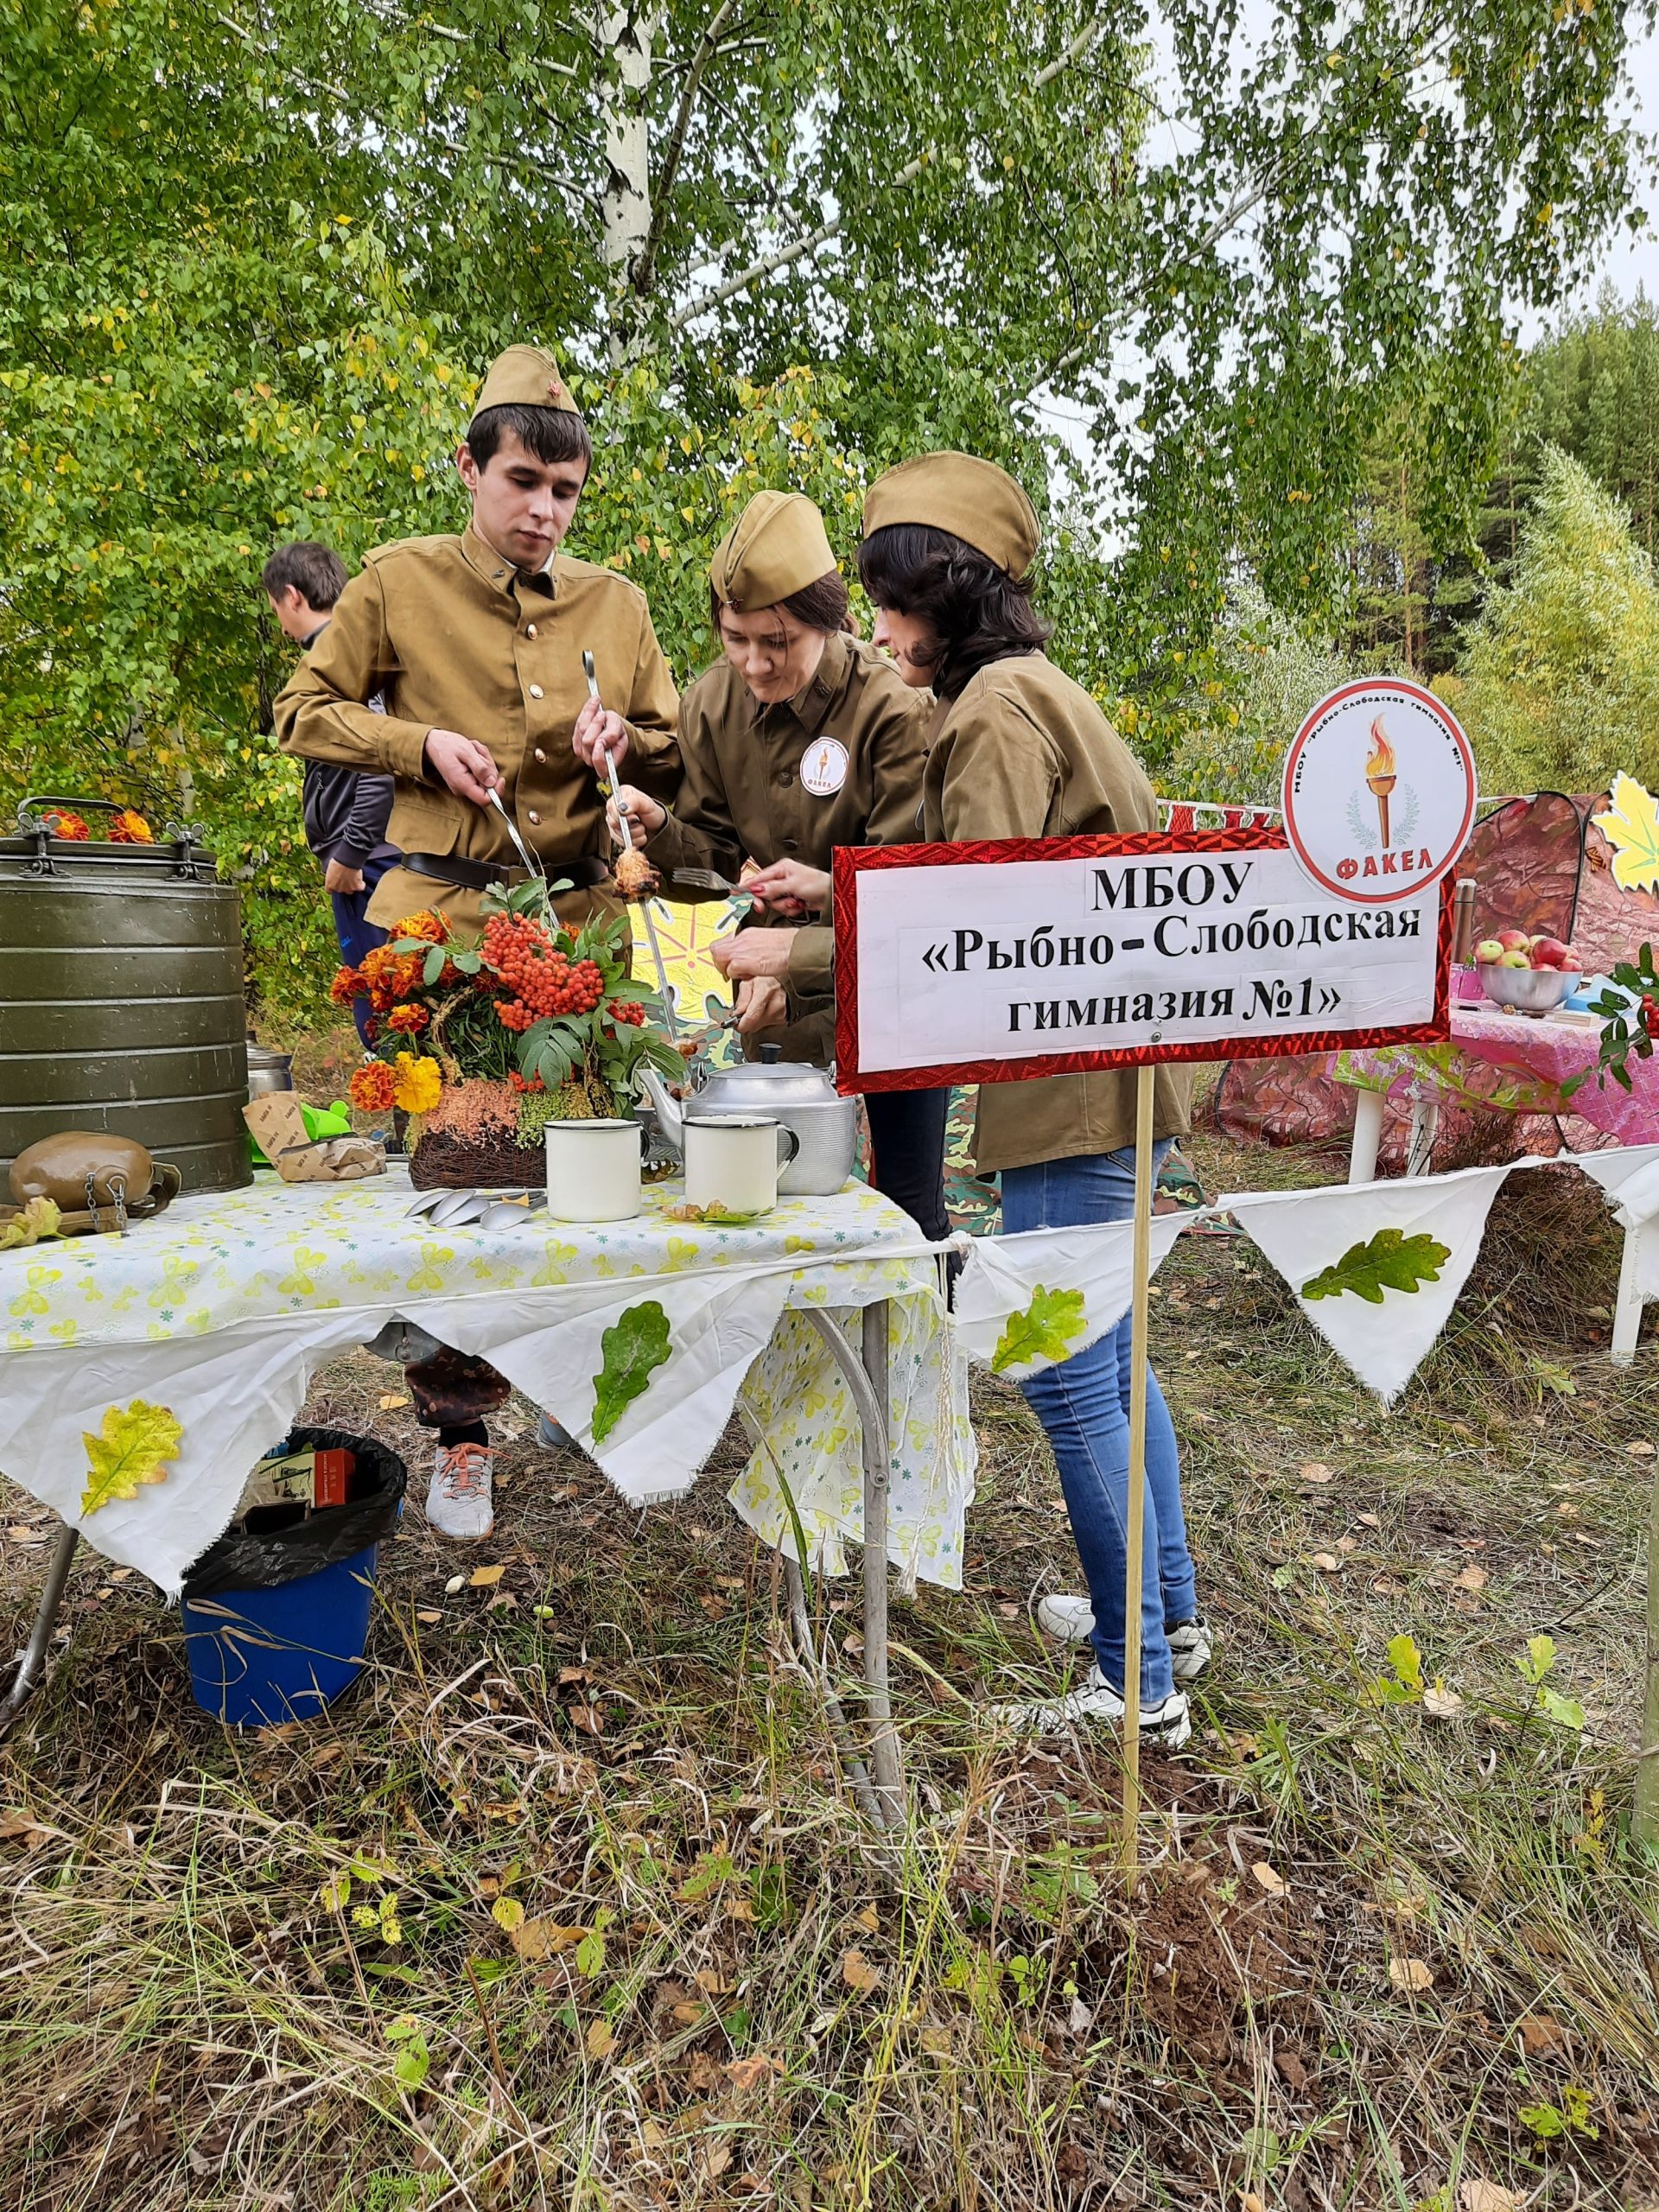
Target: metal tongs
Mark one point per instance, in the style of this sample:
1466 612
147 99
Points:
530 859
591 673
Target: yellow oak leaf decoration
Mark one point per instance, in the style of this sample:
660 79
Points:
136 1445
1632 828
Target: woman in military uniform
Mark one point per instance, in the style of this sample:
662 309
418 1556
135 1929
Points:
1018 750
800 739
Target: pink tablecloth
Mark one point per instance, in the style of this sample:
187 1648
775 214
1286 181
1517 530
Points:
1519 1064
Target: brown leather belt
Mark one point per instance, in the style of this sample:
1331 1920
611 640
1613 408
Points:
478 875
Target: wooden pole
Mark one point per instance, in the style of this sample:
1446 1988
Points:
1136 1528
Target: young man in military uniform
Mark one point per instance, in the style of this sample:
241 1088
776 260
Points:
473 644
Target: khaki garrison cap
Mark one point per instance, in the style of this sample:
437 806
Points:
524 376
974 500
777 547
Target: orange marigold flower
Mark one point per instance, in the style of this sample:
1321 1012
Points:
373 1087
349 983
130 828
426 924
72 827
410 1019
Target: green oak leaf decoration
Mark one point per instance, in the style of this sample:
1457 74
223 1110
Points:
634 1344
1047 1329
136 1444
1389 1260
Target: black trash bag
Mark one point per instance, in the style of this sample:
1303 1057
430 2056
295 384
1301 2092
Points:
239 1561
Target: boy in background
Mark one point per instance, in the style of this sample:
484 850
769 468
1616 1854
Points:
346 810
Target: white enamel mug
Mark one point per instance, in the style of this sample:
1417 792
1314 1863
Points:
734 1162
593 1170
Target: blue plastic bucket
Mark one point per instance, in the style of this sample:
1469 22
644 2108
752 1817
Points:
259 1657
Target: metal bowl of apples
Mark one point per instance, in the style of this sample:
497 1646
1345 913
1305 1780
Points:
1528 974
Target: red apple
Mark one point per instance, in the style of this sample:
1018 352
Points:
1489 952
1513 940
1548 952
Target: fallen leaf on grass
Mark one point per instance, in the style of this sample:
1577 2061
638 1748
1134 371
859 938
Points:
455 1582
390 1405
429 1617
869 1919
1640 1450
1541 2032
1475 2196
587 1718
1410 1974
600 2041
1275 1885
1370 1521
1472 1578
857 1972
508 1913
486 1578
750 2073
719 2157
1440 1703
542 1939
1327 1562
1347 1544
1317 1472
1389 1585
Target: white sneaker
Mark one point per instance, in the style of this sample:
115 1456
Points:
1168 1724
1190 1647
1072 1620
458 1501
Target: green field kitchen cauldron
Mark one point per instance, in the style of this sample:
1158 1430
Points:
121 1000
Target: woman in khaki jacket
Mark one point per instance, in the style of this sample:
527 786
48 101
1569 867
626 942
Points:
800 737
1018 750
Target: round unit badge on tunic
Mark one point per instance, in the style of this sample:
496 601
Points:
824 766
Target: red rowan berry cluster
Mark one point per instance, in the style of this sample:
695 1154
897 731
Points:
544 979
629 1012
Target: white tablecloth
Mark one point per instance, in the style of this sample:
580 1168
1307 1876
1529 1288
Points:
221 1310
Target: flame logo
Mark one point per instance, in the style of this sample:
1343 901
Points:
1380 761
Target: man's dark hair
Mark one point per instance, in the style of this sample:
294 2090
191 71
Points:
552 434
821 605
978 612
315 571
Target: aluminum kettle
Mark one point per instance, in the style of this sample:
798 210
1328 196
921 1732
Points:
800 1096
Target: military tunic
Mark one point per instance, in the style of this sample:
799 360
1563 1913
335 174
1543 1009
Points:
455 637
839 764
1024 751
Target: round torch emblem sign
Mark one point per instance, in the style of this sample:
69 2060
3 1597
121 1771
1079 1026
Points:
1379 791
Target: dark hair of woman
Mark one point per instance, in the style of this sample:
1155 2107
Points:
822 604
978 612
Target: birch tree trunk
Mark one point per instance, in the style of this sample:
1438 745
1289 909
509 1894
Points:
626 32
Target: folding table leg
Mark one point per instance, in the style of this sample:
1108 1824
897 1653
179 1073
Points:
1627 1305
867 1381
33 1663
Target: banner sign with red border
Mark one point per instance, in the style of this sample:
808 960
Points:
990 962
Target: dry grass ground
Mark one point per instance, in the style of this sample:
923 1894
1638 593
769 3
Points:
615 1937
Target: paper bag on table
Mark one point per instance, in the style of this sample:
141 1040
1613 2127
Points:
279 1127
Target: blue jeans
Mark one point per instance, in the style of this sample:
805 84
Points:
356 933
1083 1404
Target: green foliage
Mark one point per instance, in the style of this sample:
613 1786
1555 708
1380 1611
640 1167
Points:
1389 1260
1570 2117
1267 675
634 1345
1558 688
1535 1670
1625 1029
235 314
1592 390
1404 1684
1048 1328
